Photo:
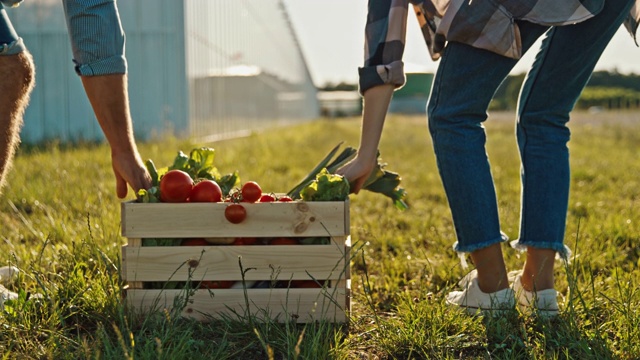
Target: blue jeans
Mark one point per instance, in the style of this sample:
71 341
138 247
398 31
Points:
465 83
10 43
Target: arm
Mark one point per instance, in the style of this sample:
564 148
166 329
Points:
109 98
381 74
376 104
97 41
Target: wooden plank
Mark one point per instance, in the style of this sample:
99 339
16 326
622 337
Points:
345 285
175 263
304 305
132 243
165 220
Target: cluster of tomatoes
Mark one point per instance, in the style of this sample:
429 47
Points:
176 186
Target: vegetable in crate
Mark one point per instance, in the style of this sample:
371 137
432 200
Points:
198 165
380 181
326 187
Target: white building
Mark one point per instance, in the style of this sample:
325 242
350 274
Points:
199 68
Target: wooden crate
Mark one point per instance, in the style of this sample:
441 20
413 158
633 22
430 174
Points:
142 265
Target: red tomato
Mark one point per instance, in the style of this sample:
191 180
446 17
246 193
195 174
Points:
283 241
306 284
194 242
285 198
245 241
175 186
251 191
218 284
267 198
206 191
235 213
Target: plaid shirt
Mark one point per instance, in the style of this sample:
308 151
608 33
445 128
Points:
483 24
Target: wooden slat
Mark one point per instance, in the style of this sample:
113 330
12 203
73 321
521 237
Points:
131 243
345 285
172 263
304 305
165 220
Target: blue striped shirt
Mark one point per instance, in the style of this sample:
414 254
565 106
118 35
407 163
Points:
97 37
95 31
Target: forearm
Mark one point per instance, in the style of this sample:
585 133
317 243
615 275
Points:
109 98
110 101
376 104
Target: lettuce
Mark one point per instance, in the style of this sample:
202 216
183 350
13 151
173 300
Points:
326 187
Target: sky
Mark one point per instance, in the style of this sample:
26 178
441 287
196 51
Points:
331 33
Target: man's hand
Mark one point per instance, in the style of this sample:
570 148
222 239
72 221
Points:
110 101
129 170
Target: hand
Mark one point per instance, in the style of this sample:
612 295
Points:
356 171
129 169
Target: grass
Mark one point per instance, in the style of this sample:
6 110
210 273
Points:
59 223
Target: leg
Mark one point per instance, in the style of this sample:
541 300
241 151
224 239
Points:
559 74
465 83
17 74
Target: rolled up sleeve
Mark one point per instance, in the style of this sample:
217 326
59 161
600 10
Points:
633 20
97 37
385 34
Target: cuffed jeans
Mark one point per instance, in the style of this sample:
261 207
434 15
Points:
10 43
465 83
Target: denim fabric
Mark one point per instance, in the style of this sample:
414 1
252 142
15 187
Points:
10 3
10 43
97 38
465 83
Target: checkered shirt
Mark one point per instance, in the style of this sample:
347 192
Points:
487 25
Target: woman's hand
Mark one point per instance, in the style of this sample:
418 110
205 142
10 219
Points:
357 171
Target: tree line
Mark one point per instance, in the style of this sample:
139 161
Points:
605 89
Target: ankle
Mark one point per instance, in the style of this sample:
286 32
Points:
537 274
535 281
492 273
490 283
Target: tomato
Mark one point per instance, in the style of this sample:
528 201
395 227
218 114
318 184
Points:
206 191
251 191
217 284
267 198
194 242
235 213
306 284
175 186
285 198
245 241
283 241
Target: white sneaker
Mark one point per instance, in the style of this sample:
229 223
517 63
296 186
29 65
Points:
474 300
5 295
8 274
544 302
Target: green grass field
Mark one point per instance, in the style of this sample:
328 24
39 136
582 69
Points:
59 223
